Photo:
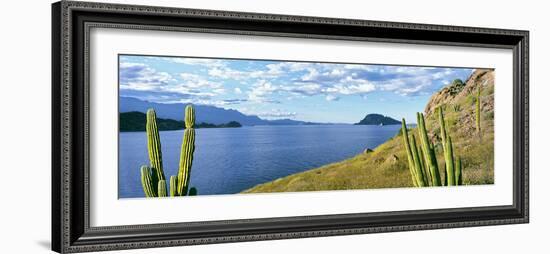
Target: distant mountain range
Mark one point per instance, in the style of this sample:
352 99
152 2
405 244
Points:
204 113
377 119
135 121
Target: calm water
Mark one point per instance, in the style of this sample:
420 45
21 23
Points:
229 160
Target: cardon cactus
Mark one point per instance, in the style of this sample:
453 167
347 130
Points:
417 159
173 186
162 188
152 178
428 151
449 162
187 149
423 162
153 147
417 173
446 141
442 124
458 171
147 182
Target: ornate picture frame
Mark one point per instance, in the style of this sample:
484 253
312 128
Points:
71 197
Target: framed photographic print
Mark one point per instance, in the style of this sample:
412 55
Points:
181 126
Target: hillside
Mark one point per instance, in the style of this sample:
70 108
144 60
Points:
386 166
135 121
377 119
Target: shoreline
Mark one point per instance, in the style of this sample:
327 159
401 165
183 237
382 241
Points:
275 125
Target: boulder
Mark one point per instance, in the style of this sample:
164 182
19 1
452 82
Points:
367 151
393 159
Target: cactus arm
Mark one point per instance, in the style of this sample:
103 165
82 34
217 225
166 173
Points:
458 171
426 170
162 188
408 151
417 163
449 162
444 139
429 154
173 186
423 165
153 146
443 127
147 182
186 161
187 149
436 179
189 116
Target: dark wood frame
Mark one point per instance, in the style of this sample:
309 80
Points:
71 22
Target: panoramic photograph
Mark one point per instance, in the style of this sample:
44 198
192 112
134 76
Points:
209 126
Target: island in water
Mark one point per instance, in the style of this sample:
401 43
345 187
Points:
377 119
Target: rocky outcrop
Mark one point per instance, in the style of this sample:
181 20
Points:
449 96
459 103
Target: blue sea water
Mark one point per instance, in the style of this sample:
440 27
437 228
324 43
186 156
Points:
230 160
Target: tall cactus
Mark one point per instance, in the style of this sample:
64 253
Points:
153 180
458 172
443 126
173 186
147 182
162 188
187 149
153 147
447 150
449 162
429 151
413 157
417 158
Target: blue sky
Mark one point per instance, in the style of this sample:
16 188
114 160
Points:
316 92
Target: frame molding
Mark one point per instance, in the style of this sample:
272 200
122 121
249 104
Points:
71 22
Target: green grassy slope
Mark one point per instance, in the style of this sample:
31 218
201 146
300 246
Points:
386 166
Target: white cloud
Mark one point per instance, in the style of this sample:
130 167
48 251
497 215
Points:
198 101
226 73
331 97
229 73
312 74
138 79
353 79
197 61
351 89
302 88
237 90
138 76
277 114
196 81
261 90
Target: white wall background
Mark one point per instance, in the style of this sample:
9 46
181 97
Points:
25 125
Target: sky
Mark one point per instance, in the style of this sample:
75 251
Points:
305 91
